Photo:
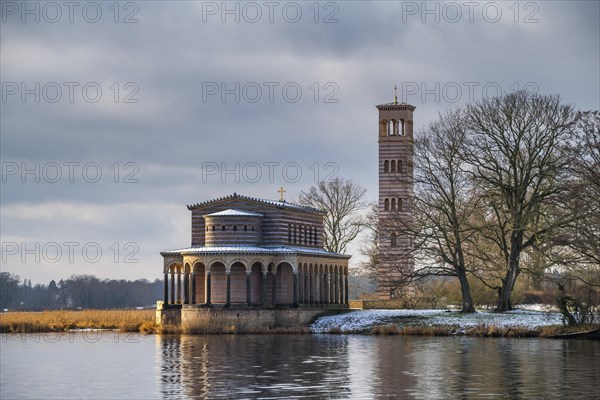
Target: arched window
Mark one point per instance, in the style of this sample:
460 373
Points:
393 166
245 228
402 127
223 227
235 228
300 234
386 205
399 204
393 205
393 240
295 231
400 166
213 228
206 228
316 236
289 233
386 166
306 235
389 128
310 235
252 228
383 127
394 127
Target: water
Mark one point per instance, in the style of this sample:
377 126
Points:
117 366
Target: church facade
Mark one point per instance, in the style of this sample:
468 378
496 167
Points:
395 194
253 253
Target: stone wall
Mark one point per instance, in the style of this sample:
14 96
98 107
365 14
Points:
376 304
195 319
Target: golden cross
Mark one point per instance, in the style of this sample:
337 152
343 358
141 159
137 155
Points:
395 94
281 191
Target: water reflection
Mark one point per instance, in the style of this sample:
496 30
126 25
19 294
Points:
254 366
330 366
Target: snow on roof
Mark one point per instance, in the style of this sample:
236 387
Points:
234 213
280 204
243 249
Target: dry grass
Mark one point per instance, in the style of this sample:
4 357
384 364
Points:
60 320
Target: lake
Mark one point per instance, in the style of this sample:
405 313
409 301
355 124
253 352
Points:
109 365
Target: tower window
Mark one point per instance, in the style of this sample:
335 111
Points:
252 228
393 165
402 125
400 166
386 205
289 233
223 227
393 205
399 204
235 228
393 240
386 166
213 228
295 231
245 228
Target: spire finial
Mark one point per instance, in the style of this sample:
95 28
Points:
395 94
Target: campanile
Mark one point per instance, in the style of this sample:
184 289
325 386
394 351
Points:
395 193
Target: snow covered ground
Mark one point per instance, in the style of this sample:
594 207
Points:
363 320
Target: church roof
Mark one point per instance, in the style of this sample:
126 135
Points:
247 249
279 204
234 213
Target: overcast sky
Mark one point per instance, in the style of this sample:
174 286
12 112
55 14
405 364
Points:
180 102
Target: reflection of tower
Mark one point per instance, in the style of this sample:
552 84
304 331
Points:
395 192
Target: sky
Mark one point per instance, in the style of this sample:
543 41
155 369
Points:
116 115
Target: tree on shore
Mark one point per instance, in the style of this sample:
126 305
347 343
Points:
516 163
342 201
444 200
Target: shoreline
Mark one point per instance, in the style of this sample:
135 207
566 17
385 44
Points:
143 321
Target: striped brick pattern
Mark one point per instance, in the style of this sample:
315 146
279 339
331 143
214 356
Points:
395 193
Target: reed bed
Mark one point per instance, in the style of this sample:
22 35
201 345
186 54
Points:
61 320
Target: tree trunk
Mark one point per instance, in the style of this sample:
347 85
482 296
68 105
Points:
513 271
467 301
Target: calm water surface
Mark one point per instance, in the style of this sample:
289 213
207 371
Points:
117 366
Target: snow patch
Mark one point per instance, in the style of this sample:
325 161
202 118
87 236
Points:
363 320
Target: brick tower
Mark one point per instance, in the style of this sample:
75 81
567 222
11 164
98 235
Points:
395 193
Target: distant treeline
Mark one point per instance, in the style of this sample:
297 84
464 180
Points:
77 291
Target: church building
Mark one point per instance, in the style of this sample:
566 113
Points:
249 252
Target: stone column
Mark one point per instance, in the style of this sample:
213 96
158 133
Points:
264 289
193 288
228 297
178 287
186 287
311 296
166 289
295 301
335 288
274 289
341 300
207 289
248 289
172 287
327 289
345 288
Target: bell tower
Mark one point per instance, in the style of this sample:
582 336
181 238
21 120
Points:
395 193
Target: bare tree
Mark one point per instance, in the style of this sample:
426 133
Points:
342 202
514 152
443 204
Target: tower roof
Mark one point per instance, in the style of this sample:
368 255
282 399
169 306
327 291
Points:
396 106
